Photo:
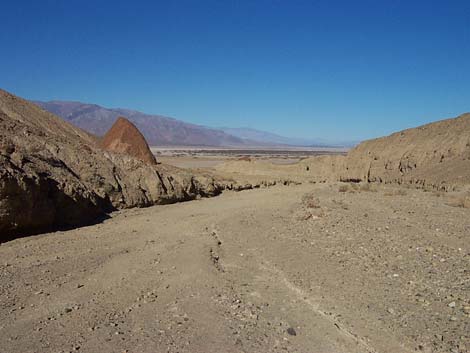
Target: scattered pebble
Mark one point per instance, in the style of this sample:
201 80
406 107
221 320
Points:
291 331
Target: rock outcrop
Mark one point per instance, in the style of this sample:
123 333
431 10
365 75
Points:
435 155
124 137
53 174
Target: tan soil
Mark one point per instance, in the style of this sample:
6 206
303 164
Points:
383 271
309 170
316 266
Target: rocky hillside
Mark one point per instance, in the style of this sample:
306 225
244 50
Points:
53 174
435 155
157 129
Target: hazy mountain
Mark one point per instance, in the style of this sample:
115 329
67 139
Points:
157 129
268 137
162 130
271 138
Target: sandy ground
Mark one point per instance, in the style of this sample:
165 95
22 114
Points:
214 161
193 162
285 269
210 157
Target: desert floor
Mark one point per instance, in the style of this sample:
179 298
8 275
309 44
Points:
207 158
303 268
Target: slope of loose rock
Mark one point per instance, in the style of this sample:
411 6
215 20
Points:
53 174
435 155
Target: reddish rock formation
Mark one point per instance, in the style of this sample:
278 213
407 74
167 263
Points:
124 137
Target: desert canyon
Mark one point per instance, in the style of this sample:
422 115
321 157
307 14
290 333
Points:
364 251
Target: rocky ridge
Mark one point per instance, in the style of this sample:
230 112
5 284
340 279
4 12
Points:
436 155
56 175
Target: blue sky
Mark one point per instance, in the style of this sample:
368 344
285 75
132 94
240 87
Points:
340 70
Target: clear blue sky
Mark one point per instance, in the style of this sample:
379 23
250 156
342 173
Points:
340 70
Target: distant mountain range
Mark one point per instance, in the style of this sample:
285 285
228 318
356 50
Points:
270 138
157 129
164 131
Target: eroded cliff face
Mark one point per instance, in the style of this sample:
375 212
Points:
435 155
55 175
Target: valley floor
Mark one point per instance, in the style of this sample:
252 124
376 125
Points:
285 269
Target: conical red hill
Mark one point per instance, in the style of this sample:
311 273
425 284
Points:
124 137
